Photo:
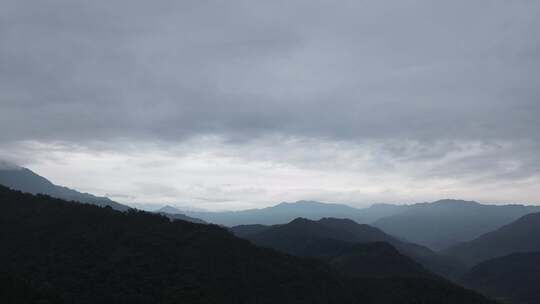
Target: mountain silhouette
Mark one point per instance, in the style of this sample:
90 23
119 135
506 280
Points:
329 236
88 254
519 236
444 223
285 212
512 279
437 225
279 214
169 209
175 214
25 180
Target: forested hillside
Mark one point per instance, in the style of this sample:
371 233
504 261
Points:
88 254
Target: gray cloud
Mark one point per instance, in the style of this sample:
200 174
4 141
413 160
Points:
169 69
414 82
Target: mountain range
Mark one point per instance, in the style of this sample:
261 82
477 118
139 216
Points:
329 237
450 222
23 179
401 220
438 225
175 214
281 213
522 235
444 223
86 254
492 249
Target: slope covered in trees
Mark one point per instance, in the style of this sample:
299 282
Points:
88 254
17 290
514 278
328 237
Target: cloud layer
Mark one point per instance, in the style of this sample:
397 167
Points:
419 90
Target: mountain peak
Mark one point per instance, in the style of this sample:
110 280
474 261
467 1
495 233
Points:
301 220
337 220
169 209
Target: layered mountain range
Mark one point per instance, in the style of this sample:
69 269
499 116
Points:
58 244
87 254
330 237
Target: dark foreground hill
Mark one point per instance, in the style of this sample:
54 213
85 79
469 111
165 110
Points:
25 180
88 254
522 235
513 278
328 237
17 290
445 223
375 260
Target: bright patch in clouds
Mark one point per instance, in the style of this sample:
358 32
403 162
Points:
214 174
236 104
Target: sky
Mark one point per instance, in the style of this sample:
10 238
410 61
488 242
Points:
226 105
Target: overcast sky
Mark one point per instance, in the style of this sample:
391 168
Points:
239 104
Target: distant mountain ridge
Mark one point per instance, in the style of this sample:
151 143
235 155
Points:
444 223
522 235
169 209
450 221
438 225
286 211
175 214
278 214
25 180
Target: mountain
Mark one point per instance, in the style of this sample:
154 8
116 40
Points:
279 214
169 209
377 211
512 279
438 263
175 214
286 212
329 237
520 236
22 179
444 223
88 254
183 217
